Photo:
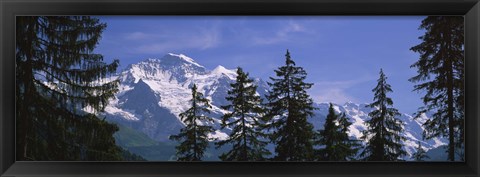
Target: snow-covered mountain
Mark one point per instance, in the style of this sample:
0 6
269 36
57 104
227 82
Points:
153 92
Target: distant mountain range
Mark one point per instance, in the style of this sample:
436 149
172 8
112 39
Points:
153 92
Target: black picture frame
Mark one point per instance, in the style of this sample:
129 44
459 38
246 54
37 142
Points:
10 8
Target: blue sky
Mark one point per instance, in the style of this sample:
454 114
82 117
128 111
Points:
341 54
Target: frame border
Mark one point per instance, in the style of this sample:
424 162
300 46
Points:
9 9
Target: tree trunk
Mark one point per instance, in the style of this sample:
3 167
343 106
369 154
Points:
450 99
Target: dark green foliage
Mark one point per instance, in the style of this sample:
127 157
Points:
349 147
334 136
289 106
421 154
165 151
128 156
194 137
162 151
383 129
128 137
440 72
244 119
57 75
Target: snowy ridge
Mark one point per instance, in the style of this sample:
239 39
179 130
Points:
220 70
184 57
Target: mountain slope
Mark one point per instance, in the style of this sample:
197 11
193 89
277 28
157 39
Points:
127 137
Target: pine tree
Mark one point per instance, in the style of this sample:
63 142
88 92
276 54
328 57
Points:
334 136
420 155
244 119
384 129
441 74
348 147
194 137
329 136
289 106
57 75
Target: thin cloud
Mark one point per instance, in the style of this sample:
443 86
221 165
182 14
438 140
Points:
137 36
335 91
333 95
152 43
282 35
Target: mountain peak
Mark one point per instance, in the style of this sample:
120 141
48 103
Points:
220 70
182 57
350 103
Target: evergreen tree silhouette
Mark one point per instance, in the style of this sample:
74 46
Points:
383 129
57 76
194 137
334 136
289 106
440 72
348 147
244 120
